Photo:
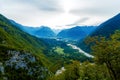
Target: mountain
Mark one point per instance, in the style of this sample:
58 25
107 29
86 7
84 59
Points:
76 33
21 55
41 32
27 29
26 57
56 31
105 29
88 29
108 27
44 32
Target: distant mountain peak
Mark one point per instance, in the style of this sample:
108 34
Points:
41 32
45 32
75 33
108 27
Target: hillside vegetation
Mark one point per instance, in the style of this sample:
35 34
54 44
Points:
16 41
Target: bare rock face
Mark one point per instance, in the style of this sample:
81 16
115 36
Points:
24 64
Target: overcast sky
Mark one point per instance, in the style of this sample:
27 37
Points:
59 13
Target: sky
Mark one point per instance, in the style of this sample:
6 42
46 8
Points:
59 14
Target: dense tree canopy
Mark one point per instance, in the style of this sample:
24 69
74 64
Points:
107 50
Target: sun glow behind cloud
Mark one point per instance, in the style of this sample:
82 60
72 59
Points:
67 6
66 17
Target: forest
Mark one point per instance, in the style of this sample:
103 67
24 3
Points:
106 66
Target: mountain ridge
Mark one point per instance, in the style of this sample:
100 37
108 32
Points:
108 26
41 32
76 33
105 29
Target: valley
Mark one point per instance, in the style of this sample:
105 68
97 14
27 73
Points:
77 53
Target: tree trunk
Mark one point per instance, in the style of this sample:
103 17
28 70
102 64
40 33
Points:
111 71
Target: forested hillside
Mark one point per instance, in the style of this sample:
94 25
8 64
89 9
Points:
15 43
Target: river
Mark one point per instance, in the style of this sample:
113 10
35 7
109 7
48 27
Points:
80 50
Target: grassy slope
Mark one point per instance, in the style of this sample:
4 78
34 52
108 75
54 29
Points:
11 36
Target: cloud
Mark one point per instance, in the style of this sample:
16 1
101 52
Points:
41 5
81 20
93 12
31 12
96 8
48 5
78 22
59 12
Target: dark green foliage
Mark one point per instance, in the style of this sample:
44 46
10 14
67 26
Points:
91 71
59 58
107 51
83 71
72 71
